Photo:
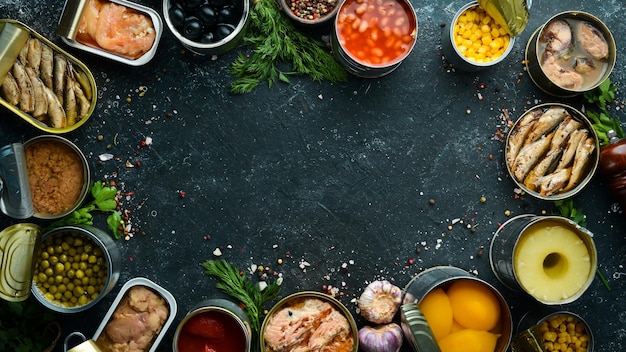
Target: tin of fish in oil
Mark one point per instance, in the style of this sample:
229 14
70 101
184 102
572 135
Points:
572 53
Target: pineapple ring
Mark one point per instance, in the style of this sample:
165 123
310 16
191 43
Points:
552 263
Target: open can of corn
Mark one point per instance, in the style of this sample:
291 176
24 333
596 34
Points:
552 330
482 33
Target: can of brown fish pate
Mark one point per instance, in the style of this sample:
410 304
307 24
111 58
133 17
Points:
550 258
552 151
572 53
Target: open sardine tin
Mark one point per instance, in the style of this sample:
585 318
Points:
97 343
14 35
69 22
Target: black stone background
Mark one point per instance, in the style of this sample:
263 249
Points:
323 173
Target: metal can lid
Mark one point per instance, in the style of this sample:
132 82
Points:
17 247
512 14
416 329
85 346
15 196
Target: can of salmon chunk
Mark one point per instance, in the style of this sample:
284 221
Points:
572 53
446 306
118 30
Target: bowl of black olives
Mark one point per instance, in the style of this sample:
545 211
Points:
207 27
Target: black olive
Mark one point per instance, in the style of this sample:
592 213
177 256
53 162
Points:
207 15
192 28
177 15
207 38
225 15
218 3
193 4
223 30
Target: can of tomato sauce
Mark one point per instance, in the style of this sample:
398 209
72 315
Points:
371 38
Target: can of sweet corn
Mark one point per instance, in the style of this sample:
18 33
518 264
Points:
548 330
475 40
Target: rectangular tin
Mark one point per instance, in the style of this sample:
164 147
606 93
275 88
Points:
140 281
70 18
13 37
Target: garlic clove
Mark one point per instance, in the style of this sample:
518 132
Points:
382 338
379 301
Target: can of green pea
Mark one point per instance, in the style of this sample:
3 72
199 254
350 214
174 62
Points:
68 269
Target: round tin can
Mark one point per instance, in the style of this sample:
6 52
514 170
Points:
533 325
112 257
352 24
218 306
547 254
298 298
54 186
219 47
534 57
531 187
454 55
414 325
14 35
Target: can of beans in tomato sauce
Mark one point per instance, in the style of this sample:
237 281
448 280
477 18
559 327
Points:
372 38
482 33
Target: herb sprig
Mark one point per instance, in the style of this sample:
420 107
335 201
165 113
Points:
236 284
103 200
26 326
602 122
275 40
568 209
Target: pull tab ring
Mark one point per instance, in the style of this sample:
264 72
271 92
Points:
67 339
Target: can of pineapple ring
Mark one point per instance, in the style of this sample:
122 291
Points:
550 258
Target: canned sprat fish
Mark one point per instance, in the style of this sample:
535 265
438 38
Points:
42 83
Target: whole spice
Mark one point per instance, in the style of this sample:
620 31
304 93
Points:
275 40
311 9
382 338
379 301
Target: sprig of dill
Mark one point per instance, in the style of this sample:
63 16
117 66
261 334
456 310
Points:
276 41
236 284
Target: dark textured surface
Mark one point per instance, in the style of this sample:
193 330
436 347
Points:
323 173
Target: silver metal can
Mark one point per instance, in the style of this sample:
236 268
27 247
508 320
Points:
414 325
112 262
225 311
543 255
539 64
369 58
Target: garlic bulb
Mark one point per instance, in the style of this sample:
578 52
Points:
380 301
383 338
